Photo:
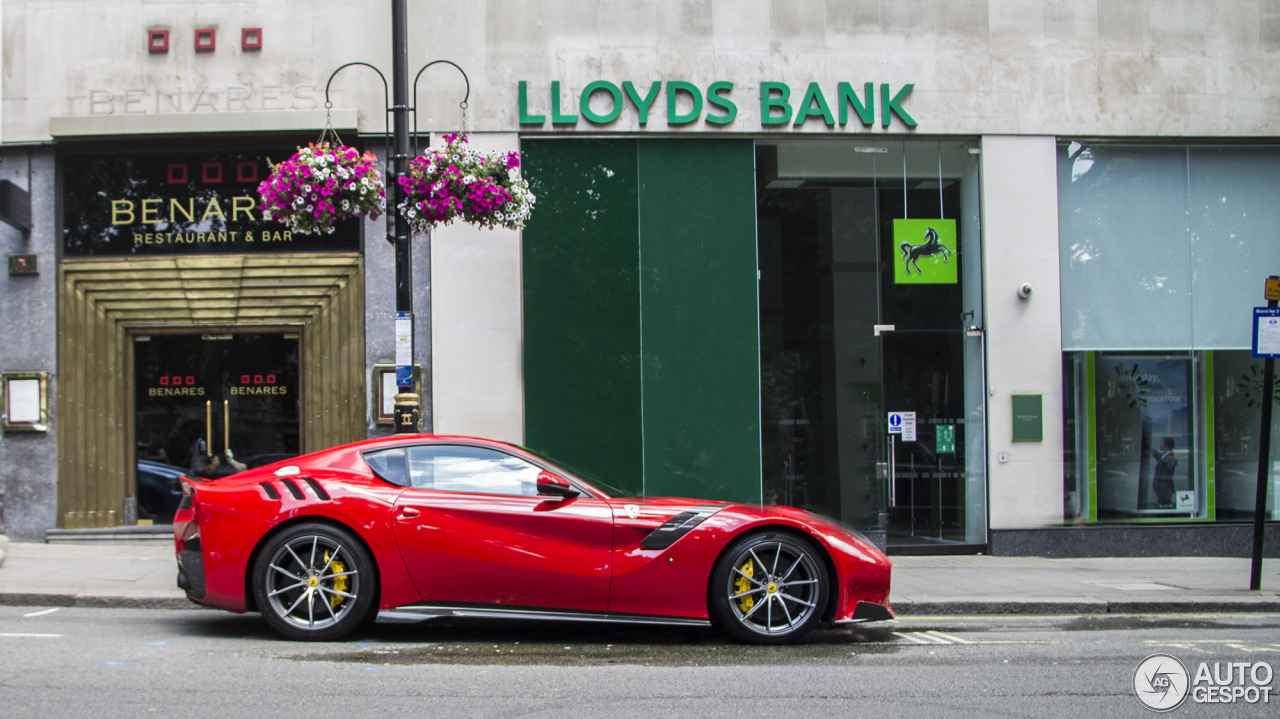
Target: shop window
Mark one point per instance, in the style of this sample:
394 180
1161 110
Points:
1164 251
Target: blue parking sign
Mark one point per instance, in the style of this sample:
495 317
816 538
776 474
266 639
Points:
1266 331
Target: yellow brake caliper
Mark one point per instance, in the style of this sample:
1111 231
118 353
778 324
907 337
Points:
746 602
339 583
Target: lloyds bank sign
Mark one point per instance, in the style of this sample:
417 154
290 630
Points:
602 102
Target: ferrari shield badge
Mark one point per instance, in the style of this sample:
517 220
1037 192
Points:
632 510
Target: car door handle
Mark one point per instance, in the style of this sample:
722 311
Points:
407 513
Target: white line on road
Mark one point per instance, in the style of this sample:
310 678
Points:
42 612
17 634
949 638
909 637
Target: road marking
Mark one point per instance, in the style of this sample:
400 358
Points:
42 612
911 638
950 638
17 634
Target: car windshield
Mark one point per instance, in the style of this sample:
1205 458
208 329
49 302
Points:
604 487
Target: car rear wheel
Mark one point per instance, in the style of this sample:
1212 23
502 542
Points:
769 588
314 582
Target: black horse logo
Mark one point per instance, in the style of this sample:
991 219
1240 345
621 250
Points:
932 246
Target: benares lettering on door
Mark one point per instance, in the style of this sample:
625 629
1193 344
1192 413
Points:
779 106
154 202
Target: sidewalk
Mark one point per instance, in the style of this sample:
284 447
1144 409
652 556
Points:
144 576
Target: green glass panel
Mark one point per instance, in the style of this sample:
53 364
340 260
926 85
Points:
582 308
701 345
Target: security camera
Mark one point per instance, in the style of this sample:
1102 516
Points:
1024 290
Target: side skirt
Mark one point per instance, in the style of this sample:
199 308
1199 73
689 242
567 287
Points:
425 612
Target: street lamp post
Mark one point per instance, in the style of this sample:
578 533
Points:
408 410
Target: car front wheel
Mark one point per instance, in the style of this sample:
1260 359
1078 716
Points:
314 582
769 588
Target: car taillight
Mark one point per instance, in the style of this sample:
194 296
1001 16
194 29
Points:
189 504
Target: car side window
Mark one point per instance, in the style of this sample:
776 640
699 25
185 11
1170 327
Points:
389 465
459 468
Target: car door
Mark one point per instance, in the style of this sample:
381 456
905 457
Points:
472 529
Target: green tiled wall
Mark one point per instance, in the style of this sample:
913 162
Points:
582 308
700 319
641 329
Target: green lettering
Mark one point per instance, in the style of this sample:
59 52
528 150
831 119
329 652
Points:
556 117
805 111
889 107
717 100
525 117
642 105
768 103
585 102
866 112
674 88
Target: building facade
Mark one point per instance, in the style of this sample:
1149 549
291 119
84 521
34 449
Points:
968 276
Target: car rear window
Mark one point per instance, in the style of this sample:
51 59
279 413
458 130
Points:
389 465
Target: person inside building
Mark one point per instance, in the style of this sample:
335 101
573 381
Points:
1166 465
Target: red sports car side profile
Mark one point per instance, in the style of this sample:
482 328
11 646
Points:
415 527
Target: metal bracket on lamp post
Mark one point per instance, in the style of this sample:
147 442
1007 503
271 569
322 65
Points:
408 407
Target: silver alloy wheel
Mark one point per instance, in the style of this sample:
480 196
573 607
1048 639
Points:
773 587
312 582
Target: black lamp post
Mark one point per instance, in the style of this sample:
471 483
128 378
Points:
408 411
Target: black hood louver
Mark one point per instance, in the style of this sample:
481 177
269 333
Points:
670 531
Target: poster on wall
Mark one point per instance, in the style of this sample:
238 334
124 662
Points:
925 252
1145 447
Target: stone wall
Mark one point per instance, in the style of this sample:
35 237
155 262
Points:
1114 68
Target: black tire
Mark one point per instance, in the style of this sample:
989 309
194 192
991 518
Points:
298 590
794 588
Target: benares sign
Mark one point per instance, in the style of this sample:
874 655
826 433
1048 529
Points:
684 101
158 202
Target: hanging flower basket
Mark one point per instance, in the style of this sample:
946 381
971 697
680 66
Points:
456 181
322 184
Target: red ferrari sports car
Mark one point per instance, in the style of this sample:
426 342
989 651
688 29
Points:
415 527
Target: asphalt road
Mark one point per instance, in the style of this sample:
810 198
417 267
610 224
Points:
80 662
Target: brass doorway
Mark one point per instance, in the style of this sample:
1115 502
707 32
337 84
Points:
104 303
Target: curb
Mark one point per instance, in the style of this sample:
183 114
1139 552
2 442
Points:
1068 607
98 601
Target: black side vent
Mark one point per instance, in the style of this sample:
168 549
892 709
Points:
315 487
293 488
678 526
270 490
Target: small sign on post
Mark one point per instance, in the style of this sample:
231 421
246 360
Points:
1266 331
903 424
404 349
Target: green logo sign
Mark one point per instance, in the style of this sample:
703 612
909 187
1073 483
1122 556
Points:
945 435
925 252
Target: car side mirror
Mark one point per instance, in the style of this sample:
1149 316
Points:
551 485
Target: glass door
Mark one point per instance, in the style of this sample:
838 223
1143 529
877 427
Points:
210 405
870 303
